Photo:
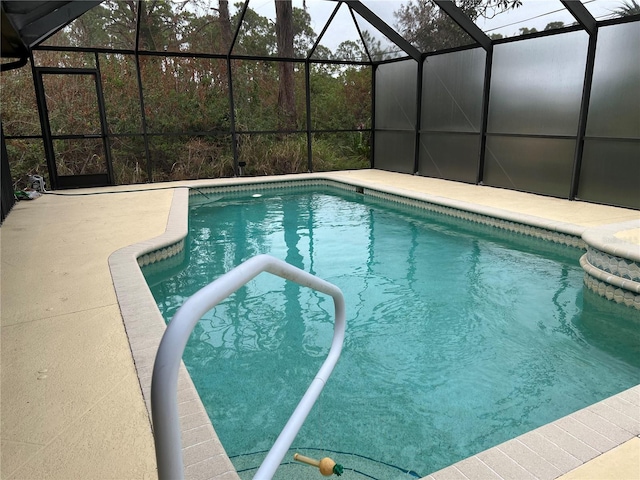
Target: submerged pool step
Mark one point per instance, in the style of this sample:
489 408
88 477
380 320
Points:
356 467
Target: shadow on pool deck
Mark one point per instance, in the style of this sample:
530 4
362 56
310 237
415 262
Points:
71 400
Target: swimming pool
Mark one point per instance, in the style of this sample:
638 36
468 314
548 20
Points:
382 258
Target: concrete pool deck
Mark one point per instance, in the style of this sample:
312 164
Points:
71 401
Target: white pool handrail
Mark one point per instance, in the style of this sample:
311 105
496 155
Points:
164 383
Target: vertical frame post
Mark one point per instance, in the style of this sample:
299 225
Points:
143 115
416 160
584 112
104 129
488 65
589 25
44 124
232 107
374 68
307 89
232 120
7 198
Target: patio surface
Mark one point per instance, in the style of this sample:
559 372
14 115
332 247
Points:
71 404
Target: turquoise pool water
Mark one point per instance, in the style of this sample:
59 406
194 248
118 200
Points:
459 336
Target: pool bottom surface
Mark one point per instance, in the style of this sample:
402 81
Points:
456 340
356 467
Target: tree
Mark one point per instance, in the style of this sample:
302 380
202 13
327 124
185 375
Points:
256 35
487 8
207 33
113 24
628 8
88 29
350 51
429 28
286 85
158 24
303 35
374 46
553 26
526 30
225 22
421 23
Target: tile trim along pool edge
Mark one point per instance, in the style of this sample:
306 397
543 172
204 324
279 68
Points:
546 452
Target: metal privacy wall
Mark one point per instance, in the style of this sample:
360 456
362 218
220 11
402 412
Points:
556 114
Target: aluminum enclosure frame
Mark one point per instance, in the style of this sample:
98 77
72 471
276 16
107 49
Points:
586 22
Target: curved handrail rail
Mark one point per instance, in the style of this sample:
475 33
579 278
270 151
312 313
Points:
164 383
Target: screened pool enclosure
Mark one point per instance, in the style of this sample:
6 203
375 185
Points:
468 160
534 96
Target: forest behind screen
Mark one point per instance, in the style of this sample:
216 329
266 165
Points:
186 98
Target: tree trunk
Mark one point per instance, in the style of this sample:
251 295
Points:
146 37
286 87
225 23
